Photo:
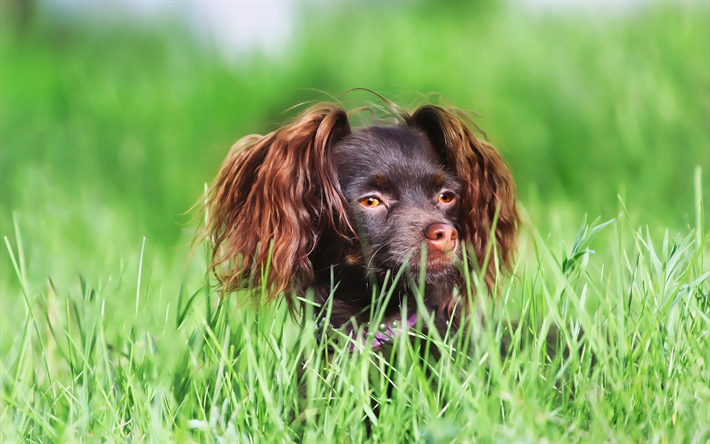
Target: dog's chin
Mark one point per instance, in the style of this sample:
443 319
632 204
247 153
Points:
438 266
434 268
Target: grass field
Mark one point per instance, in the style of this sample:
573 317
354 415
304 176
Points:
121 360
109 134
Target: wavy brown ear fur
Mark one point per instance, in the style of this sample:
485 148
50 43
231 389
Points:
486 181
278 191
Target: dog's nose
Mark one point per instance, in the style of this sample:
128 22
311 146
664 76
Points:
441 237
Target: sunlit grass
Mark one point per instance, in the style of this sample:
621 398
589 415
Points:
109 133
629 361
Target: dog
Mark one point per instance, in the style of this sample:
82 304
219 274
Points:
318 206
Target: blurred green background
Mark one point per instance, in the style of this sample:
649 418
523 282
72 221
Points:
112 122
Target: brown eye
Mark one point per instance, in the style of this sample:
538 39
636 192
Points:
370 202
446 198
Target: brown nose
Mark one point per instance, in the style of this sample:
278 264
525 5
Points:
441 237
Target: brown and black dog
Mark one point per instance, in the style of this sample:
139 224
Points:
338 210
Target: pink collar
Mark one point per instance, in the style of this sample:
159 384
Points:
386 332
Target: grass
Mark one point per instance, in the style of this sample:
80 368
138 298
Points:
117 360
110 132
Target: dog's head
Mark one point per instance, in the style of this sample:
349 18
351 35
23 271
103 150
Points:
402 197
315 191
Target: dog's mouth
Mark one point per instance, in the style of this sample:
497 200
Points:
437 261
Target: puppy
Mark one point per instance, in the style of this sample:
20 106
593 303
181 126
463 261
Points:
317 205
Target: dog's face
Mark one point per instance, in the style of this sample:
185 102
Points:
402 198
315 204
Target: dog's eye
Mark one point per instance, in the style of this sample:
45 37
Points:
370 202
446 198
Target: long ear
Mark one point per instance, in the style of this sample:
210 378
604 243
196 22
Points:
277 192
486 181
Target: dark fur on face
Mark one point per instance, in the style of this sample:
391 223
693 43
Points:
345 207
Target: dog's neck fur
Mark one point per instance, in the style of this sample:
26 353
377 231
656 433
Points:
353 291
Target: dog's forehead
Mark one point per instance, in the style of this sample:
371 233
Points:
395 160
386 150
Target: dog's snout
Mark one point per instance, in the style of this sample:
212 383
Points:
441 237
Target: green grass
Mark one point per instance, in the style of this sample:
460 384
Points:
116 359
109 134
